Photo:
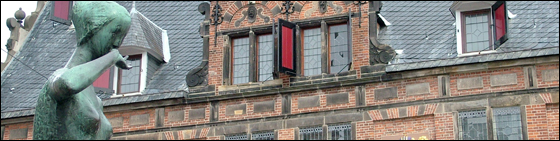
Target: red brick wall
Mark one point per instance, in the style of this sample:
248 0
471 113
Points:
126 118
444 126
249 114
537 122
409 125
553 124
486 81
401 90
541 83
323 99
286 134
28 125
365 130
186 109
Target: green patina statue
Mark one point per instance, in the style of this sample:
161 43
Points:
67 107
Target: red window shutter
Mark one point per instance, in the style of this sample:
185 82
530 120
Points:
103 80
104 84
61 9
287 48
500 22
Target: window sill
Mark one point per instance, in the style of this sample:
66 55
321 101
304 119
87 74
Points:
323 78
127 94
251 86
476 53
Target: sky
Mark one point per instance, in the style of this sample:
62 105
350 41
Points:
8 10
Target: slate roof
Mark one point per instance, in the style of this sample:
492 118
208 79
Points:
425 30
50 45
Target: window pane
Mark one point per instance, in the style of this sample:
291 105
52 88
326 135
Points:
266 52
237 137
507 123
269 135
472 125
130 79
312 51
241 60
311 133
340 132
339 48
477 32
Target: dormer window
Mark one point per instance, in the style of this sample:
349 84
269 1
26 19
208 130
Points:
481 26
61 12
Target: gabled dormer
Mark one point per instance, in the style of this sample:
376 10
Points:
481 26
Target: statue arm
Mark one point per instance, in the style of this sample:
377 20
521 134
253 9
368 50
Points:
78 78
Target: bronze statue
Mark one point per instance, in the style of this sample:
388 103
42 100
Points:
67 107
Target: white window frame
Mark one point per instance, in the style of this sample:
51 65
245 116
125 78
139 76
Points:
143 74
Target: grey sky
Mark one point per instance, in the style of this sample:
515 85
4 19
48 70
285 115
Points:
8 10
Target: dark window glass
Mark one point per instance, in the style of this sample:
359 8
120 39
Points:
472 125
241 60
312 51
266 54
339 48
507 123
237 137
130 79
340 132
269 135
311 133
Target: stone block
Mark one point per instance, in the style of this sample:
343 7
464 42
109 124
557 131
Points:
403 111
187 134
343 118
264 106
149 136
265 126
116 122
384 114
503 79
310 101
360 96
199 113
469 83
225 130
160 117
173 116
550 75
467 105
238 109
333 99
118 138
18 133
418 89
139 119
421 109
386 93
311 121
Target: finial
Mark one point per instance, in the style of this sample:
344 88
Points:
19 15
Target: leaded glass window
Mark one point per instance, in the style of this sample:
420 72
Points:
311 133
130 79
472 125
340 132
312 51
339 48
269 135
242 136
507 123
241 60
266 57
477 32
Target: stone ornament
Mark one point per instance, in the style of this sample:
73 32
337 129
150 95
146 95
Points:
68 107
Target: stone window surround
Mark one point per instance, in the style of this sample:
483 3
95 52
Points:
489 117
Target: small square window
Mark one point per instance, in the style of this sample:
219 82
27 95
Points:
129 80
267 135
472 125
62 12
507 123
340 132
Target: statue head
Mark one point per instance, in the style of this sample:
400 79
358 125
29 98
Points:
102 25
